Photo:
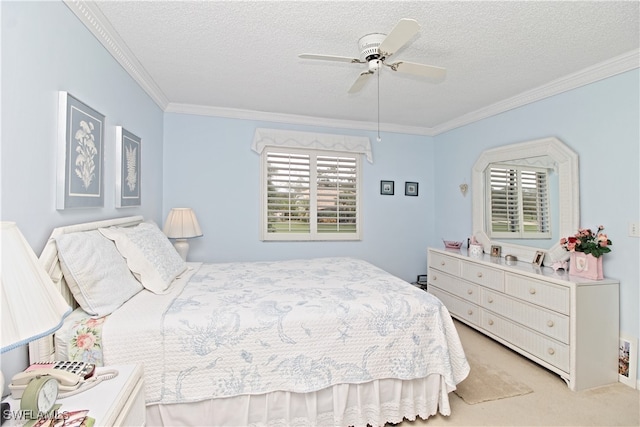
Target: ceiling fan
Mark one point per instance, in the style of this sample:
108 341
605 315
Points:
376 48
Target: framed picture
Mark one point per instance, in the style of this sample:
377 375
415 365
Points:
627 361
128 154
410 188
80 154
386 188
538 258
496 250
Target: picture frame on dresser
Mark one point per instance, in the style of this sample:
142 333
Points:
128 170
538 258
80 156
496 251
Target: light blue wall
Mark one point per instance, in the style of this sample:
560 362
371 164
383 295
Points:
45 49
209 166
601 122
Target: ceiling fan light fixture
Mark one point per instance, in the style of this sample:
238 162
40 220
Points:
369 46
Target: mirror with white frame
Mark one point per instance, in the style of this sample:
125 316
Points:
553 154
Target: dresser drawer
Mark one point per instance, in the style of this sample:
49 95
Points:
544 294
455 285
544 321
444 263
456 306
550 351
483 275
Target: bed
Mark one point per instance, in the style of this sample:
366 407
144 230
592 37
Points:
325 341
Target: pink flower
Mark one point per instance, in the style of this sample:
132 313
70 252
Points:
85 341
92 323
603 239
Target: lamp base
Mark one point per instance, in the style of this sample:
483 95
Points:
182 246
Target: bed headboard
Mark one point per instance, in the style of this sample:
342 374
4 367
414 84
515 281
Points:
43 349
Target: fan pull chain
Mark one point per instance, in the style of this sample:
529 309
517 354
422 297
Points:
379 139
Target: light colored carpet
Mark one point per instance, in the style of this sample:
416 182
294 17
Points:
550 404
486 382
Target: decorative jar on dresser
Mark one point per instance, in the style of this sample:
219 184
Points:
567 324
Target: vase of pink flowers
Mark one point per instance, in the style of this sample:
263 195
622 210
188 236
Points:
586 248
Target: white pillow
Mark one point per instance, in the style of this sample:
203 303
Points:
149 253
95 272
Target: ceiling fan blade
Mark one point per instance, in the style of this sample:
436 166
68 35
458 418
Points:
330 58
433 73
398 37
360 81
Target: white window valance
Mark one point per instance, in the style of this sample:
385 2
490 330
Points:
311 140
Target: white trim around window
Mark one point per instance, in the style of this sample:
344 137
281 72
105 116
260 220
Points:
310 195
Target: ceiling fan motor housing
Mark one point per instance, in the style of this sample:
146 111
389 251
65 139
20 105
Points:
369 46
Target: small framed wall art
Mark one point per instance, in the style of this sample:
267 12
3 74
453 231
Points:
80 154
386 188
410 188
128 152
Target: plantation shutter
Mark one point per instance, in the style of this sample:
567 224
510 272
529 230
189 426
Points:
519 202
288 193
337 195
310 195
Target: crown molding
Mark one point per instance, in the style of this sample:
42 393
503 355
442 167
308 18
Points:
617 65
91 16
295 119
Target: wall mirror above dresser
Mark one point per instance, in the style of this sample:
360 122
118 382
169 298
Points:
525 197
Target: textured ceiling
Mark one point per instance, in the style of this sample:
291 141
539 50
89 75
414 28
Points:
242 56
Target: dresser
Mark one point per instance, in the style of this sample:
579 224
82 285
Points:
567 324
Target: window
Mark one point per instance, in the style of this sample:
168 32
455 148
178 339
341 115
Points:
310 195
519 202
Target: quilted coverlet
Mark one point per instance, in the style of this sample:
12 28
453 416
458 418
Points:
301 326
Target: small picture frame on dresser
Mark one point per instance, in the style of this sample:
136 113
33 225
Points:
538 258
496 250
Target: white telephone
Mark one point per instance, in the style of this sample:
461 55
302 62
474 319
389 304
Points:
72 377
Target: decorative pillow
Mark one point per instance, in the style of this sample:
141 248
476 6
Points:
95 272
149 253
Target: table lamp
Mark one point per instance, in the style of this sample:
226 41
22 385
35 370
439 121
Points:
31 306
182 224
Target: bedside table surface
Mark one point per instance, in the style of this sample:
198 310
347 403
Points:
104 401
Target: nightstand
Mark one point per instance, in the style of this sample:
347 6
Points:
116 402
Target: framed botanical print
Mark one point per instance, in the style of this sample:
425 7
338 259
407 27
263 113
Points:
80 154
128 152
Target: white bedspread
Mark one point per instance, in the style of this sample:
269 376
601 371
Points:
250 328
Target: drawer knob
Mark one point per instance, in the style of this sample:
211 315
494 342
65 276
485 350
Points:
434 278
490 300
490 322
550 323
469 312
479 274
442 262
551 351
532 291
469 291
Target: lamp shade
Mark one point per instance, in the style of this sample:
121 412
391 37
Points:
31 306
182 223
